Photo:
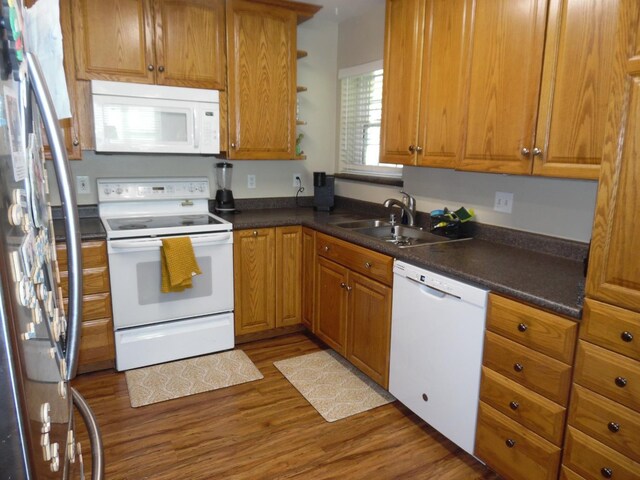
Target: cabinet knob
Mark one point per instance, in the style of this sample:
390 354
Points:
518 367
522 327
343 285
368 265
412 148
255 233
76 142
621 382
514 405
161 69
150 67
510 443
626 336
525 152
233 145
418 149
613 427
606 472
349 288
326 248
537 152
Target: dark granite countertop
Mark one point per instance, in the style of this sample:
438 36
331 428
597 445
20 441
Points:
90 225
550 281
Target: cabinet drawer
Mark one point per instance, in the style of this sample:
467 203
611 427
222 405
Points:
94 254
534 328
97 341
371 264
611 327
588 458
94 280
606 421
536 371
93 306
566 474
544 417
609 374
530 456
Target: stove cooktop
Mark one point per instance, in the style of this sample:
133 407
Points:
170 221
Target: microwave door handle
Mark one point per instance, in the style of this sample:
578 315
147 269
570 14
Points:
69 208
196 133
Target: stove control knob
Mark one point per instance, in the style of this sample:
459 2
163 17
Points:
119 191
107 190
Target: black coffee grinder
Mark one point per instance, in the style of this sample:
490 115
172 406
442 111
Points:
224 196
323 191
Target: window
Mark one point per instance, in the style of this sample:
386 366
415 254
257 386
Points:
360 115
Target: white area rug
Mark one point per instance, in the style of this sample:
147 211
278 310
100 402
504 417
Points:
334 387
188 377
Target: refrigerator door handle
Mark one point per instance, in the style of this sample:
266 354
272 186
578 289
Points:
97 451
69 208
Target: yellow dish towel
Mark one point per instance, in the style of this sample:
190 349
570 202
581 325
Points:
178 264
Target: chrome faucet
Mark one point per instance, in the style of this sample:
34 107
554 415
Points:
407 205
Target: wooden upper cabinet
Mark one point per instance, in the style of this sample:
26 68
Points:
168 42
403 44
576 81
614 265
114 40
506 64
261 56
190 48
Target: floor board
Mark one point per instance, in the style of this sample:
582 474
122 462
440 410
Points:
264 430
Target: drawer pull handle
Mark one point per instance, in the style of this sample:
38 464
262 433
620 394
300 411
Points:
522 327
606 472
621 382
614 427
510 443
368 265
518 367
626 336
514 405
326 248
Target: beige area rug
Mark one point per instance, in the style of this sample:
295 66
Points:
334 387
187 377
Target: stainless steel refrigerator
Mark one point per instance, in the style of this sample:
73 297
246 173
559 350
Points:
39 342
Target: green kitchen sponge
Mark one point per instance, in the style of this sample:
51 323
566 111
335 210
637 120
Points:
464 215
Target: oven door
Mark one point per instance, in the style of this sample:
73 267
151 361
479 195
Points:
135 281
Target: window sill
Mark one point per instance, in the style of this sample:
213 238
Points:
390 181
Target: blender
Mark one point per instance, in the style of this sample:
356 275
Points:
224 196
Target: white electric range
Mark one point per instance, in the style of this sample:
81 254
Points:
150 326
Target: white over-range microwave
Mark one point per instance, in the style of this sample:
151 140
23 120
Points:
139 118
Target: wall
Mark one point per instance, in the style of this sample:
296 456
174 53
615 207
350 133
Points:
318 72
557 207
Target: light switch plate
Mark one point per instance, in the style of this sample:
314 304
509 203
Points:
251 181
503 202
82 184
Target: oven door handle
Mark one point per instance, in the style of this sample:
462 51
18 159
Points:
199 240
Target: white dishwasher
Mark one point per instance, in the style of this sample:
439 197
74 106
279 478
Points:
437 334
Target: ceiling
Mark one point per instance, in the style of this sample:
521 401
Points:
345 8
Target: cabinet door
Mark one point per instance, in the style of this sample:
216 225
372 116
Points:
369 327
190 43
614 265
254 277
506 63
331 304
578 70
261 56
288 275
444 80
114 40
404 32
308 275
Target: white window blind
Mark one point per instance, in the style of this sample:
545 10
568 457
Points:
360 115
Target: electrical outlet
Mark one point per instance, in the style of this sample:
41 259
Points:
297 180
503 202
251 181
82 184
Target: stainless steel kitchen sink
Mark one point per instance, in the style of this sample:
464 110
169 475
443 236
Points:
368 223
403 236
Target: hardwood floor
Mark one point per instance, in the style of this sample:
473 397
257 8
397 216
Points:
263 430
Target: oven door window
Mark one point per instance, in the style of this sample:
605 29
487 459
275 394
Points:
136 278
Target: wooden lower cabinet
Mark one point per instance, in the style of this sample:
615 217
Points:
524 391
267 264
352 311
308 275
97 350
